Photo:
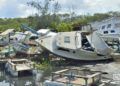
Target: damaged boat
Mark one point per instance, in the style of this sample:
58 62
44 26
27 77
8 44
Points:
16 66
78 45
109 29
77 77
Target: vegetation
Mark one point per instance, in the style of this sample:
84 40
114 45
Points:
62 22
64 27
12 23
43 66
48 16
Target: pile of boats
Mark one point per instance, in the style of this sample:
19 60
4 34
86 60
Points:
14 43
89 43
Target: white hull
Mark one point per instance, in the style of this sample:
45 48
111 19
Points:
49 43
81 55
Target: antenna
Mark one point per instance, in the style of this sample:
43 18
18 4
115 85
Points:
91 29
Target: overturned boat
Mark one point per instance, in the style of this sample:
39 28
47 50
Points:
78 45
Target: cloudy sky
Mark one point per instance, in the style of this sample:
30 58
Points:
19 8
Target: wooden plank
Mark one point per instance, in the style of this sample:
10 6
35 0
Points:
93 75
57 72
103 84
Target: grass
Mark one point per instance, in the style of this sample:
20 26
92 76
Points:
44 66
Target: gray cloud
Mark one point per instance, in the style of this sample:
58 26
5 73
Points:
90 6
19 8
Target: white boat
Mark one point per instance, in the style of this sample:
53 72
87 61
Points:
78 45
14 66
109 29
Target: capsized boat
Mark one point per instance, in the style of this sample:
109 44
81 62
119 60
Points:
78 45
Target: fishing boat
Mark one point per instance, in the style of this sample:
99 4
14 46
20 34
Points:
16 66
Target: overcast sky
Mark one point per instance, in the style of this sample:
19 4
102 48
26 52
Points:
19 8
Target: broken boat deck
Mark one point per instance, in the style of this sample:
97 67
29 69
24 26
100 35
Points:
79 77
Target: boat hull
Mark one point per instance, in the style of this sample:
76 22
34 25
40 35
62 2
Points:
49 43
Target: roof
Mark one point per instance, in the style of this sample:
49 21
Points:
43 31
7 31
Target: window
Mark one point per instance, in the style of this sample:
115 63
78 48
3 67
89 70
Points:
77 39
103 27
112 31
109 26
66 39
11 38
105 32
67 50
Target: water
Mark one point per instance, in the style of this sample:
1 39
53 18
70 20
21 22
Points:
17 81
37 80
23 80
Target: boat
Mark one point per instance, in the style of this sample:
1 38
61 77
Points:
78 45
5 83
109 29
5 36
109 26
7 51
16 66
77 77
26 50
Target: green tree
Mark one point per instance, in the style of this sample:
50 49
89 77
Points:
63 27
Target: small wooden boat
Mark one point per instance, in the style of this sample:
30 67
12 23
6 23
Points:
15 66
